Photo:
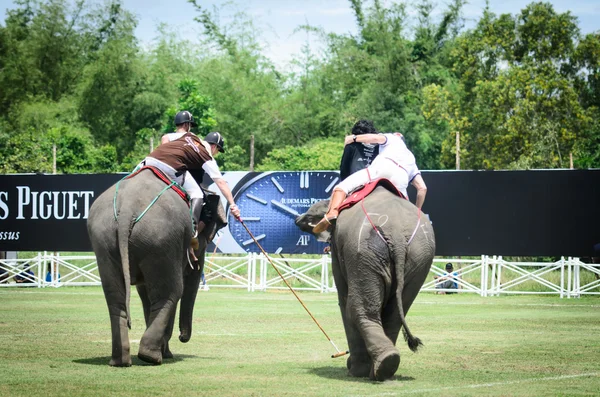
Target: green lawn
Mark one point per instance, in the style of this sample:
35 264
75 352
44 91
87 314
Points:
57 342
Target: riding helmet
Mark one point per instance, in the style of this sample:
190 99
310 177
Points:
217 139
184 117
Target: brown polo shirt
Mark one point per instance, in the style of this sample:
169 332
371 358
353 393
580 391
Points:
185 153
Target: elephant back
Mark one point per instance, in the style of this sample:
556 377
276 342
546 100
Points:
160 215
381 210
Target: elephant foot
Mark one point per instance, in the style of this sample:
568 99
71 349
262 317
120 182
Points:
387 367
184 336
166 353
120 362
358 369
150 356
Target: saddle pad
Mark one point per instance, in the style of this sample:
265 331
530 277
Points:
359 194
161 175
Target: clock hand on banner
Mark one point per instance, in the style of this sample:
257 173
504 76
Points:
271 201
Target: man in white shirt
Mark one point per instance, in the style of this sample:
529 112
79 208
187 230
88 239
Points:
394 162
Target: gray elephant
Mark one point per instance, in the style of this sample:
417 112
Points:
142 242
381 250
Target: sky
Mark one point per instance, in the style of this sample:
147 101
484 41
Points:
277 19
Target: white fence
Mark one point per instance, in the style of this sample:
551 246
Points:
487 276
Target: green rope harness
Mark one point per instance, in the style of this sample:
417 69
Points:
173 183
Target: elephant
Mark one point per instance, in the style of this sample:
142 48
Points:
381 250
140 231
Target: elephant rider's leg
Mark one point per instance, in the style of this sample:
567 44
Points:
197 202
339 194
337 198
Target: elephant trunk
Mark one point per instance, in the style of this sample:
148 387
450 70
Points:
191 282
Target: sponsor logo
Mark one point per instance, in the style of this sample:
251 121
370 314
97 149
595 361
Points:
46 204
299 202
9 236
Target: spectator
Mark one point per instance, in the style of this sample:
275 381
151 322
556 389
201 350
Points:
26 276
447 281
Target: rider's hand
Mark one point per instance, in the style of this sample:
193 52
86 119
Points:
235 211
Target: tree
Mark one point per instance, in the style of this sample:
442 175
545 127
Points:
516 103
319 154
199 105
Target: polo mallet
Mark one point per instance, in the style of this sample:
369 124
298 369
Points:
339 353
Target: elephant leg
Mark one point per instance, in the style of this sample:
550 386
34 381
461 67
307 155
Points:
186 308
365 305
166 351
143 293
141 289
359 362
113 286
390 319
164 289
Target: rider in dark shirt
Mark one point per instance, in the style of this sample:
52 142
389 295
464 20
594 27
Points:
358 155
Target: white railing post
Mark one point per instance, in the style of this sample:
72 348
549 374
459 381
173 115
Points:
577 277
263 272
40 270
483 274
493 286
45 269
326 260
498 276
562 278
251 273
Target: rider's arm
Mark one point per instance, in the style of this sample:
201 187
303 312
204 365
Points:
224 188
212 169
419 184
164 139
365 138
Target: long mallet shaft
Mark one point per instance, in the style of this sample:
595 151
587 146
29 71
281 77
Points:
339 353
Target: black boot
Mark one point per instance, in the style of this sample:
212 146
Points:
196 210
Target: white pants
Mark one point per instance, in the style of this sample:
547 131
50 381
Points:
382 167
185 180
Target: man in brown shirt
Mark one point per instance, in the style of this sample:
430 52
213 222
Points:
192 153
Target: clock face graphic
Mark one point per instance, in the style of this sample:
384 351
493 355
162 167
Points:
270 202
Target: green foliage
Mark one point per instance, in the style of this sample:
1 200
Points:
323 154
198 105
521 90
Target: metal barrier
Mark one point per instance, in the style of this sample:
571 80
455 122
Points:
587 289
487 276
471 266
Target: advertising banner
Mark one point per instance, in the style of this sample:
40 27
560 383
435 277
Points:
516 213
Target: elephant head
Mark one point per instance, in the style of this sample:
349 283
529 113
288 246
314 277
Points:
307 221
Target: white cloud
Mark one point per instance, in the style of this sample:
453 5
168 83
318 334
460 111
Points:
292 13
334 11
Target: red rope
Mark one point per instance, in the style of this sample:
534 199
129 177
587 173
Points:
163 178
362 203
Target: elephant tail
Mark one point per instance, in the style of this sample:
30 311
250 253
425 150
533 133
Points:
125 225
413 341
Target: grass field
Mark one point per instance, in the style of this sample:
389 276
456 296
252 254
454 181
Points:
56 342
